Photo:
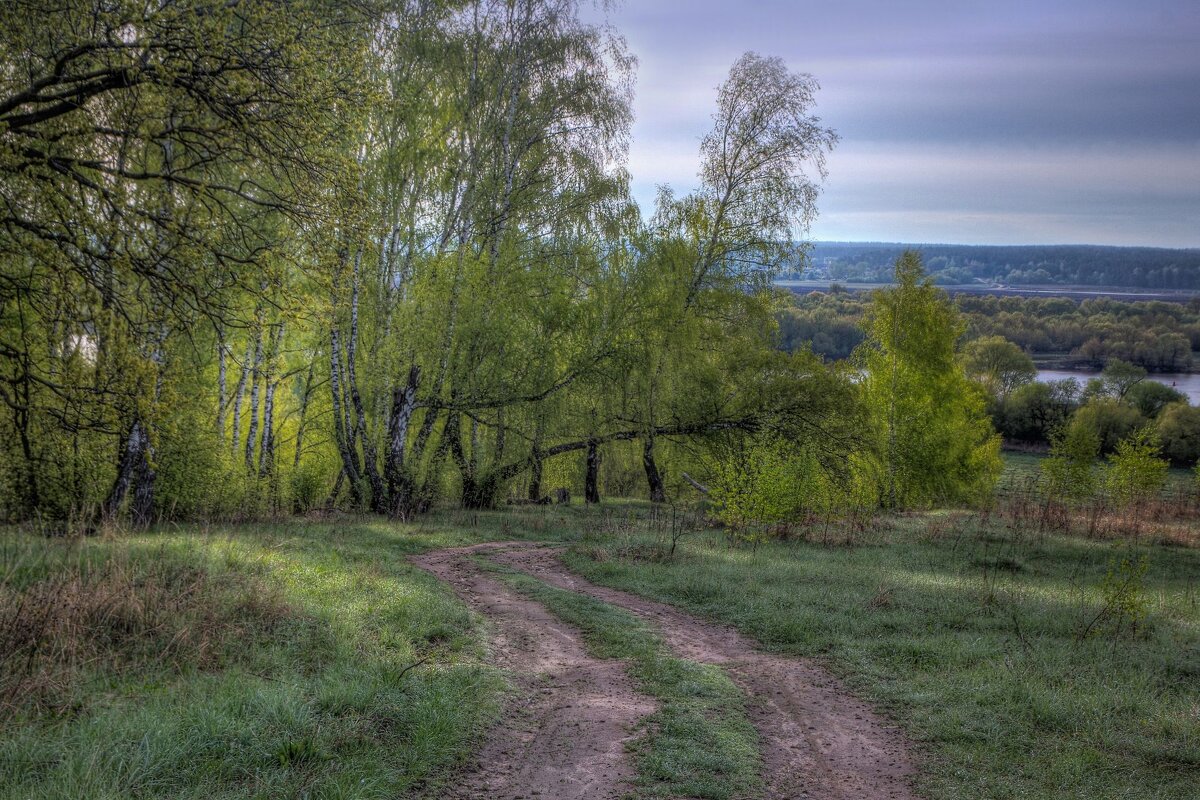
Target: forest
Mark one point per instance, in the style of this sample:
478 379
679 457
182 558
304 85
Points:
1069 334
1017 265
362 437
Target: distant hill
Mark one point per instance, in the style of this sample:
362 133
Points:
1023 265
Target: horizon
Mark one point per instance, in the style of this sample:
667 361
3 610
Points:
1056 123
1012 245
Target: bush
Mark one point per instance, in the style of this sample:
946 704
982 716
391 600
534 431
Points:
1135 472
1112 420
1151 397
1179 430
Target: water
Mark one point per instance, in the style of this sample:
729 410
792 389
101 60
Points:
1185 382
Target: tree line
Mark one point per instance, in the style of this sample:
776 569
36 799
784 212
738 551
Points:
1158 336
1021 265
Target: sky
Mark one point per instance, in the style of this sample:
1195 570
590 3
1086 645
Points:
1014 122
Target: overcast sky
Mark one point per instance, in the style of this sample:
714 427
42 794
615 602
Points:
1060 121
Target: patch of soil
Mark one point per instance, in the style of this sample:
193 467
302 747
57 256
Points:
565 735
819 741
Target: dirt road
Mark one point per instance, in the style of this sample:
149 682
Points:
819 741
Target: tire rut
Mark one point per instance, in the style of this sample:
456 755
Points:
565 735
819 741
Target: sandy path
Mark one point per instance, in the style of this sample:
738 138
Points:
819 741
565 737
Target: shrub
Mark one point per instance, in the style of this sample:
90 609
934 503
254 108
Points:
1135 472
1179 429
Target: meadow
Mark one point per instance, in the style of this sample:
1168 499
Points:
309 658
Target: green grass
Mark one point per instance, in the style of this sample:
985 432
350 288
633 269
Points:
969 636
309 698
699 743
272 662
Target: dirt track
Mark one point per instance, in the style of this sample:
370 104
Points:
565 736
819 741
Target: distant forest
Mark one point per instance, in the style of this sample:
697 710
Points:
1156 336
1063 265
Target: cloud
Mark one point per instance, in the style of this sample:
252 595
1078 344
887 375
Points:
1075 120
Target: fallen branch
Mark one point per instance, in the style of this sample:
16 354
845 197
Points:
697 485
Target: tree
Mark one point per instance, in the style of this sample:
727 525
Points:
935 441
1111 419
1119 377
998 364
153 159
1151 397
1034 411
1135 473
704 274
1070 470
1179 431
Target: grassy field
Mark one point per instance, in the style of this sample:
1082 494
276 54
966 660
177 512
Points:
255 661
277 660
991 647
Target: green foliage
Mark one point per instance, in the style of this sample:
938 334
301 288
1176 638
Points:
1124 606
1179 429
1069 265
1119 377
998 364
1151 397
1158 336
1071 469
934 439
1135 473
1112 420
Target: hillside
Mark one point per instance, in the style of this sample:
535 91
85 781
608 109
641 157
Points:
1024 265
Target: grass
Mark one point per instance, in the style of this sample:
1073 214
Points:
250 661
277 660
970 635
699 743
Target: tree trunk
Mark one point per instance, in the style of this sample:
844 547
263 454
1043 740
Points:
142 510
591 482
341 429
266 449
658 493
237 399
308 381
535 477
400 484
255 379
370 463
133 453
222 388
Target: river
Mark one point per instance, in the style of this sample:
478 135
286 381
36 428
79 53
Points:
1186 382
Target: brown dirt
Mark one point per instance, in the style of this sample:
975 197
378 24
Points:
819 741
564 737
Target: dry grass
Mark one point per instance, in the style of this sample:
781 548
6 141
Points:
1170 519
118 615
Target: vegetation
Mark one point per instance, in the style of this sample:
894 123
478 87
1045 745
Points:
243 661
975 633
1072 265
936 443
1087 334
290 291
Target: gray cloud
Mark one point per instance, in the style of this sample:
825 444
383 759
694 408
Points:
1066 121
